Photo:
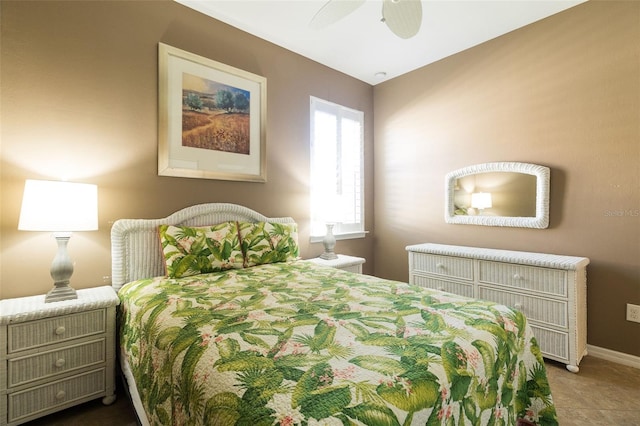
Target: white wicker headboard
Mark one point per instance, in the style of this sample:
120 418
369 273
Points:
135 246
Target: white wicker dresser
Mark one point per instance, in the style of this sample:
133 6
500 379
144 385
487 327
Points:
551 290
56 355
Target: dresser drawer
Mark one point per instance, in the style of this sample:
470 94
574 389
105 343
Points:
64 392
449 286
32 334
553 344
543 280
46 364
548 311
455 267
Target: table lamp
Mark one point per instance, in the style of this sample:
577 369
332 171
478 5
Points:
61 208
330 215
329 242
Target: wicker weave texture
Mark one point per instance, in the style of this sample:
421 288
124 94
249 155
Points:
62 392
548 311
543 280
550 338
33 334
440 284
542 174
135 246
56 355
34 367
544 260
549 289
33 307
445 265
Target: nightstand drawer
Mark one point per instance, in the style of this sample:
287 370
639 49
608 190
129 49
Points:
454 267
356 269
46 364
548 311
33 334
543 280
49 396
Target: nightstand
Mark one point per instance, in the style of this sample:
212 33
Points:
346 263
56 355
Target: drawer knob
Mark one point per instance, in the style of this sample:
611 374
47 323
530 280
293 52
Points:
518 306
60 362
60 395
517 277
439 266
60 330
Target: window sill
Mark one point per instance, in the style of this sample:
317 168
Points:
347 236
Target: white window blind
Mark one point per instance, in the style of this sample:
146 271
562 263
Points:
337 177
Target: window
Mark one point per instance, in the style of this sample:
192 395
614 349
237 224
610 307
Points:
337 178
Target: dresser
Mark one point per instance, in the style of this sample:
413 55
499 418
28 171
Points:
56 355
344 262
550 290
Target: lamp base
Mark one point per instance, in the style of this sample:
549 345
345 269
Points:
329 242
58 294
328 256
61 271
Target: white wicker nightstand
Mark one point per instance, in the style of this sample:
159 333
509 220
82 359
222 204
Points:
56 355
346 263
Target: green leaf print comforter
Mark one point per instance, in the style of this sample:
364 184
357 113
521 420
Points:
300 344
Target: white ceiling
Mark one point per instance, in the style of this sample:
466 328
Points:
361 46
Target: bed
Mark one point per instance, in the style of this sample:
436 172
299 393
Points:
222 323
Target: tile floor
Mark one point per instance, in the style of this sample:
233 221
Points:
602 393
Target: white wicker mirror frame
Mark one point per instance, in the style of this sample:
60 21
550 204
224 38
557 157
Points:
542 174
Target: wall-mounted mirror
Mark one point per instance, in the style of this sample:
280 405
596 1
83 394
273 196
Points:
498 194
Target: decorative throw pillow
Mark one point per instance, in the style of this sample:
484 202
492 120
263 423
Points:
199 250
268 242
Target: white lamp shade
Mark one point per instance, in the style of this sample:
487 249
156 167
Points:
59 206
481 200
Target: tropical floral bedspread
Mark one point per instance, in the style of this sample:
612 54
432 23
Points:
300 344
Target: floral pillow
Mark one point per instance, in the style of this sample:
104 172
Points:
268 242
199 250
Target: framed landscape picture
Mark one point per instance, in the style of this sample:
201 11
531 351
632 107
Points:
212 119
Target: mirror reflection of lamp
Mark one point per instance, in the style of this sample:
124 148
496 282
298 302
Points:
481 200
61 208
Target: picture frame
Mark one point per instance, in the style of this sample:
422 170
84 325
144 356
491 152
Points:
211 118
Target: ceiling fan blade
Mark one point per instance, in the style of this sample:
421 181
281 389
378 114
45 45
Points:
403 17
333 11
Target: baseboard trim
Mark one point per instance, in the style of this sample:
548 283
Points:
618 357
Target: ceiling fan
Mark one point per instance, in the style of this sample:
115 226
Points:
403 17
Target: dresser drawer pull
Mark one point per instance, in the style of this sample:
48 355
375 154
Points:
439 266
60 395
517 277
60 362
60 330
518 306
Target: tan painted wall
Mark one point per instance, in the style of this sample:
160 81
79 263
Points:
79 101
564 93
79 96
